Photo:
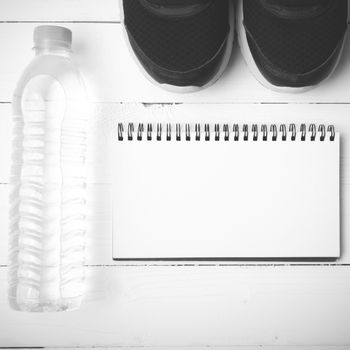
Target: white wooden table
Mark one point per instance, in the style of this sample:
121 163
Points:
189 306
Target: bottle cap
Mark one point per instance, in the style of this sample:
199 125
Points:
52 36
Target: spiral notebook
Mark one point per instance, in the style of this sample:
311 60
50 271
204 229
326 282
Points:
212 192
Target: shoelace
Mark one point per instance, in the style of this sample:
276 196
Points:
297 9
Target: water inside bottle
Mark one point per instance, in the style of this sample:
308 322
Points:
48 199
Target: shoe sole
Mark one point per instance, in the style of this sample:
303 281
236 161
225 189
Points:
254 69
185 89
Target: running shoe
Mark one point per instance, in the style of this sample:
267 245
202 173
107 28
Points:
292 45
181 45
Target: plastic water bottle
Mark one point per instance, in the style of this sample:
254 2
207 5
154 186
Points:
48 197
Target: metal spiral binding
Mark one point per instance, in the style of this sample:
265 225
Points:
226 132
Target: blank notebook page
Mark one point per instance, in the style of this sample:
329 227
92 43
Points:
225 198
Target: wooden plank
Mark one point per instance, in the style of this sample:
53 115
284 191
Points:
99 234
104 121
193 306
104 118
113 76
5 142
63 10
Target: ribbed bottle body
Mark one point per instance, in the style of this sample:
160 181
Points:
48 195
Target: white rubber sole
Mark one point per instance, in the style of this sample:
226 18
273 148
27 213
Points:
254 69
186 89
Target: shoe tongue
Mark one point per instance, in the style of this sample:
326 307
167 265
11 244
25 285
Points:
297 8
175 8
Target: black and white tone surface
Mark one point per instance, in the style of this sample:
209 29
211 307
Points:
237 304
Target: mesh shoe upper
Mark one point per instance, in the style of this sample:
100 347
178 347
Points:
295 37
177 43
